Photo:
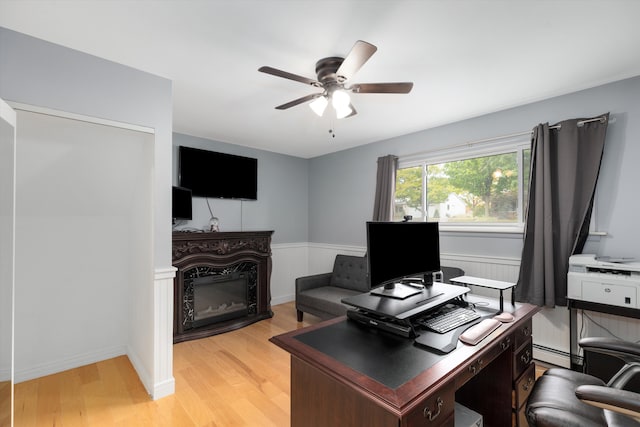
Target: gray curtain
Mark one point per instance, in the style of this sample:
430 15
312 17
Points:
565 163
385 188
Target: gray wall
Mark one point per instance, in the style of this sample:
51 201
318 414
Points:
42 74
39 73
283 199
326 199
342 184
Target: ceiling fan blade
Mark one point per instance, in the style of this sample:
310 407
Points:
401 87
360 53
298 101
290 76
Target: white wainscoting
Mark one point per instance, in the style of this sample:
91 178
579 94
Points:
163 383
551 333
293 260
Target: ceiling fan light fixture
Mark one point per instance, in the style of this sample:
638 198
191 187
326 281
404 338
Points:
343 112
319 105
332 74
340 100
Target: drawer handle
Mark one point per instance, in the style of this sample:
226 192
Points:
526 357
430 415
475 367
526 331
504 344
528 384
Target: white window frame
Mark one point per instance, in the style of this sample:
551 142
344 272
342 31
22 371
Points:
496 146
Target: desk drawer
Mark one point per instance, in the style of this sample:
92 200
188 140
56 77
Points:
435 410
523 333
523 385
476 365
522 357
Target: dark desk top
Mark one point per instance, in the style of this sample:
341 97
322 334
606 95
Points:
389 366
389 359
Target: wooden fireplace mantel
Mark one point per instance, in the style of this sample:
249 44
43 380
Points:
221 250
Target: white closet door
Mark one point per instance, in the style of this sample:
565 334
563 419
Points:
7 257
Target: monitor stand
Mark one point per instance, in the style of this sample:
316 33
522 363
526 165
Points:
397 290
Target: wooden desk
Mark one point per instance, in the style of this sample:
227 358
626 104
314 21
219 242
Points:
330 387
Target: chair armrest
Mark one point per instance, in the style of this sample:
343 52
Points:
313 281
621 401
627 351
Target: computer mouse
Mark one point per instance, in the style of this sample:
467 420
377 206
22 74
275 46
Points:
504 317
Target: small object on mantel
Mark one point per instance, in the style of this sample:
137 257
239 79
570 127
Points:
214 224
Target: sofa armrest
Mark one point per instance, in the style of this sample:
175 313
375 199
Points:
313 281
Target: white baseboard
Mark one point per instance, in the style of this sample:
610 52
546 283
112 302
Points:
72 362
283 299
549 355
163 389
145 377
155 390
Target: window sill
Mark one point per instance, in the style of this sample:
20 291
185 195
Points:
492 229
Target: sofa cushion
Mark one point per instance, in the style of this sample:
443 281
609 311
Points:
326 299
350 272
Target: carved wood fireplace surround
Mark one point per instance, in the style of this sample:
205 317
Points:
242 260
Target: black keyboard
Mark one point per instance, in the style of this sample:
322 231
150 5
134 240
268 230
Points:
447 318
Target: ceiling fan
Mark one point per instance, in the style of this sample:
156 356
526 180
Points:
333 74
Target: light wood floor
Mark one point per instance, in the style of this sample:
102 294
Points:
233 379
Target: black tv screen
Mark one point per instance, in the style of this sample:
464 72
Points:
181 207
397 250
219 175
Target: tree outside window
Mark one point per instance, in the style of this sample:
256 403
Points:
484 189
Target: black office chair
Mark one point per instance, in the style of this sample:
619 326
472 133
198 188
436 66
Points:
565 398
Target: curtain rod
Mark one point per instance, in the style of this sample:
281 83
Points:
601 119
580 123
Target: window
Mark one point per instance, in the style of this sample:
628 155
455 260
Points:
471 187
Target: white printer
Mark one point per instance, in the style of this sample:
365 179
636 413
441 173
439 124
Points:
605 281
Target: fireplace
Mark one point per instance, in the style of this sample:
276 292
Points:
218 297
222 282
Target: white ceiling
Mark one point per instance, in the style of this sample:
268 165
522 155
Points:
465 57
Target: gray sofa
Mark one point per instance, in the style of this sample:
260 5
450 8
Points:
321 294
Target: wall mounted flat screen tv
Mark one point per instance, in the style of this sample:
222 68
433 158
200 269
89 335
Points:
181 207
218 175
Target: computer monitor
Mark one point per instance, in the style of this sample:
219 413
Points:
181 208
400 250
